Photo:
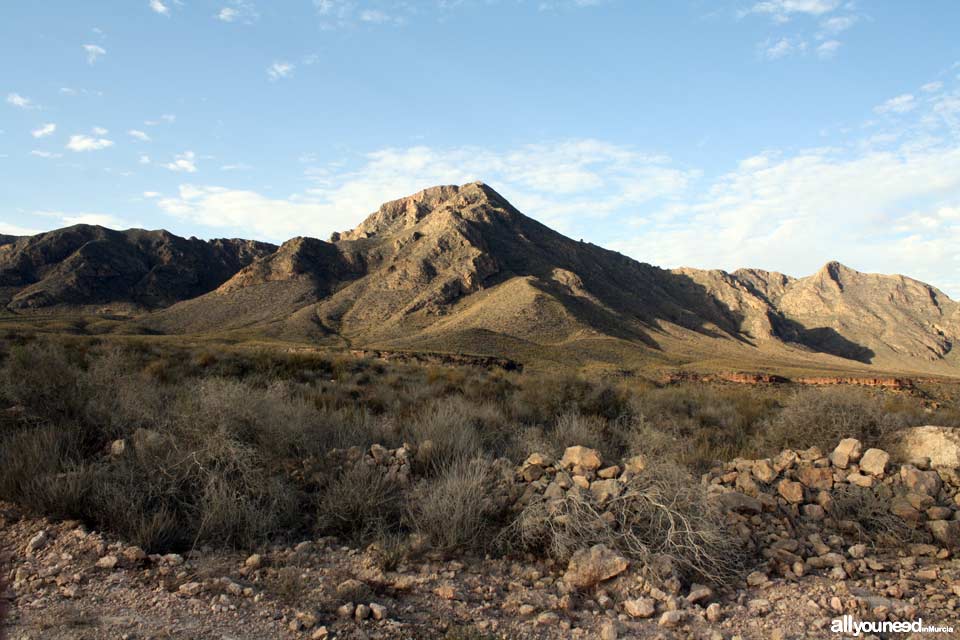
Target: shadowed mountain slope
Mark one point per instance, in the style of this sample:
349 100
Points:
88 265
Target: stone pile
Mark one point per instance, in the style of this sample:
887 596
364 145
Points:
799 490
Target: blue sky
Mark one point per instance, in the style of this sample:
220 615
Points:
777 134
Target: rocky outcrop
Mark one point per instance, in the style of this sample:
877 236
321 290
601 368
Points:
938 446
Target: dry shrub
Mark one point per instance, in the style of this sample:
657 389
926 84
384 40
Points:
287 584
823 417
541 398
870 509
29 457
390 549
44 377
458 509
663 519
450 424
359 503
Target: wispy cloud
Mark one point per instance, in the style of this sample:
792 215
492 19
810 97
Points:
900 104
94 52
45 154
378 17
238 11
820 24
185 162
891 207
775 49
828 49
20 101
167 118
158 7
98 219
279 70
931 87
559 182
837 24
139 135
783 10
44 130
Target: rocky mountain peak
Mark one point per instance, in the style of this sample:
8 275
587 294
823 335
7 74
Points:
404 213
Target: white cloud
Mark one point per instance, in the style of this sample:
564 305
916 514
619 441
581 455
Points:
900 104
837 24
560 183
139 135
279 70
931 87
775 49
20 101
828 49
891 207
45 154
240 166
185 162
99 219
158 7
168 118
44 130
16 230
783 10
100 131
88 143
374 15
144 159
151 194
238 11
94 52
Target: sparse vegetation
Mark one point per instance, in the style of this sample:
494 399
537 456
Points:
663 519
177 448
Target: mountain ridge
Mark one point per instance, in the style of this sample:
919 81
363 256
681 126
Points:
458 269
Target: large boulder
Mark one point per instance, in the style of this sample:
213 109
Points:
581 459
846 452
940 444
592 566
874 462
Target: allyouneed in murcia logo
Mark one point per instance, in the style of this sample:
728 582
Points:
848 625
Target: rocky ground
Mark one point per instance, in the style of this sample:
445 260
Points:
810 567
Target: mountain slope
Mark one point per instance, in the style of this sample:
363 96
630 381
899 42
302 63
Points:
459 269
88 265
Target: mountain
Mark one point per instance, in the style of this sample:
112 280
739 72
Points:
459 270
84 265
